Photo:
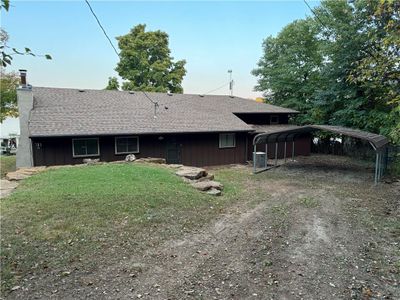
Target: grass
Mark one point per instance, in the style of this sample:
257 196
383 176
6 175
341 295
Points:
7 164
309 202
61 218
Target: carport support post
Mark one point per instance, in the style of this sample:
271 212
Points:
381 166
284 153
293 150
254 158
276 154
266 155
376 166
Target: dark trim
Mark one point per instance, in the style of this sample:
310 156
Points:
265 113
139 134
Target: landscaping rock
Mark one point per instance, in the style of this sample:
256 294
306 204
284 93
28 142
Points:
23 173
6 187
16 176
207 185
31 171
130 157
90 161
175 166
153 160
214 192
207 177
191 172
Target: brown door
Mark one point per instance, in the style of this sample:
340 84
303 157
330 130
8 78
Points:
173 149
38 154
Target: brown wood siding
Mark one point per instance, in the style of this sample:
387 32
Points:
302 146
262 118
196 149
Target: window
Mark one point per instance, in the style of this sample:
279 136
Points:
227 140
124 145
85 147
274 120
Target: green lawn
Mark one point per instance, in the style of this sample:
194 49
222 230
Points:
7 164
63 218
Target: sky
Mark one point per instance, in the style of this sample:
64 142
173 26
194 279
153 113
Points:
213 37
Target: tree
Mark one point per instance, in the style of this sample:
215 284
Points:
380 71
7 52
146 64
355 84
8 94
113 83
290 67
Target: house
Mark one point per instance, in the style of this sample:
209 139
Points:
9 144
64 126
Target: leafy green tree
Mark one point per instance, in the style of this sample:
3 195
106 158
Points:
146 63
8 94
380 71
113 83
355 78
290 66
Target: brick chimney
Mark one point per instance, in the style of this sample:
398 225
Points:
25 106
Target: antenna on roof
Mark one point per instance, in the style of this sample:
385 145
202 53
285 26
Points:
155 103
230 82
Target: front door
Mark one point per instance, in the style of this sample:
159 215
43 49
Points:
38 154
173 151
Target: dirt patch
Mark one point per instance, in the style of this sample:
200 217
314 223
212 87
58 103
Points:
340 243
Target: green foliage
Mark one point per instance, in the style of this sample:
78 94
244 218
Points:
7 52
289 67
113 83
146 64
7 164
8 95
5 4
340 67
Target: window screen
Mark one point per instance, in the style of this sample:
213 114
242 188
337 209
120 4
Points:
227 140
85 147
126 145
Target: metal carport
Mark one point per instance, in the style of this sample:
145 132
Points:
378 142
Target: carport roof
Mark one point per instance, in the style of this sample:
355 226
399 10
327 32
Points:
285 134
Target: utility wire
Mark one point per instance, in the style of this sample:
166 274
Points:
101 26
315 15
148 97
196 95
327 28
218 88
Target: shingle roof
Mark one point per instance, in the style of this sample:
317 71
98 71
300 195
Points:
71 112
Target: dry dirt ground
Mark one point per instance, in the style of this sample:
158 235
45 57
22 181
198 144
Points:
313 229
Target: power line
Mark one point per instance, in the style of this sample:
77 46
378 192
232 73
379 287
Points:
315 15
148 97
197 95
101 26
155 103
327 28
218 88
